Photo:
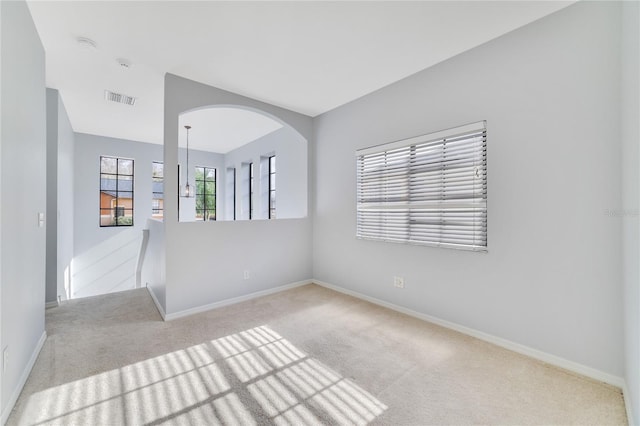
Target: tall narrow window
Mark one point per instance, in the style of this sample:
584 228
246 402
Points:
205 193
157 182
250 190
116 191
429 190
272 187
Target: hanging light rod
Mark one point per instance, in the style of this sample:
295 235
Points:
188 190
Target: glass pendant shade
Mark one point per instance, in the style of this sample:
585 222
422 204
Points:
188 190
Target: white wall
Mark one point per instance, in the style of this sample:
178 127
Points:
105 257
154 263
211 258
60 139
290 150
205 261
2 408
51 291
629 213
551 279
66 198
23 175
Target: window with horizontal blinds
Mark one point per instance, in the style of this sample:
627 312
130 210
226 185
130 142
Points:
429 190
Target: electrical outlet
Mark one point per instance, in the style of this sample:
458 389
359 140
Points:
247 275
398 282
5 359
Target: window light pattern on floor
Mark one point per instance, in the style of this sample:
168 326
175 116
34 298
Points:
252 377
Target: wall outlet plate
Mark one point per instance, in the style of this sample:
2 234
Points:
398 282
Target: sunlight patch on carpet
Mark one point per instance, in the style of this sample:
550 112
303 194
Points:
245 378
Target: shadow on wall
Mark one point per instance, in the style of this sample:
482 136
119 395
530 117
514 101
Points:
252 377
107 267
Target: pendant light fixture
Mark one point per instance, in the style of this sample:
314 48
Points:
188 190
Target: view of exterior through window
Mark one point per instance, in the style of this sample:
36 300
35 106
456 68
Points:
116 191
272 187
117 183
157 202
205 193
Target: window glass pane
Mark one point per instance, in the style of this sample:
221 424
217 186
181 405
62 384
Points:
200 173
210 203
125 195
124 219
125 200
116 191
107 217
158 188
272 181
125 183
108 165
158 170
108 182
106 200
210 188
125 177
211 174
125 167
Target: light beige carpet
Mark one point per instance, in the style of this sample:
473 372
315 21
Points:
303 356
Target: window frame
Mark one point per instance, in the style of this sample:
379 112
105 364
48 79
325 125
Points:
234 193
428 190
251 190
204 194
271 187
153 193
117 208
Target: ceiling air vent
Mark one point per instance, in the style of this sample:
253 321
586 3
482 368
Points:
119 97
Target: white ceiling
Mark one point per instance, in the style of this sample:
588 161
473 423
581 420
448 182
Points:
306 56
223 129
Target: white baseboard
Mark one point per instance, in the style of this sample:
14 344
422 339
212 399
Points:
53 304
23 379
155 300
234 300
507 344
628 405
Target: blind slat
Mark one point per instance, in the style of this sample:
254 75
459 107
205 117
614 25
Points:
428 190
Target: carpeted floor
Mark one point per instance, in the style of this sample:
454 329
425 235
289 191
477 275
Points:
304 356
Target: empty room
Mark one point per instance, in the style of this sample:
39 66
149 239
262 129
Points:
319 212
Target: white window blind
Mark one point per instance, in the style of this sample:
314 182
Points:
429 190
